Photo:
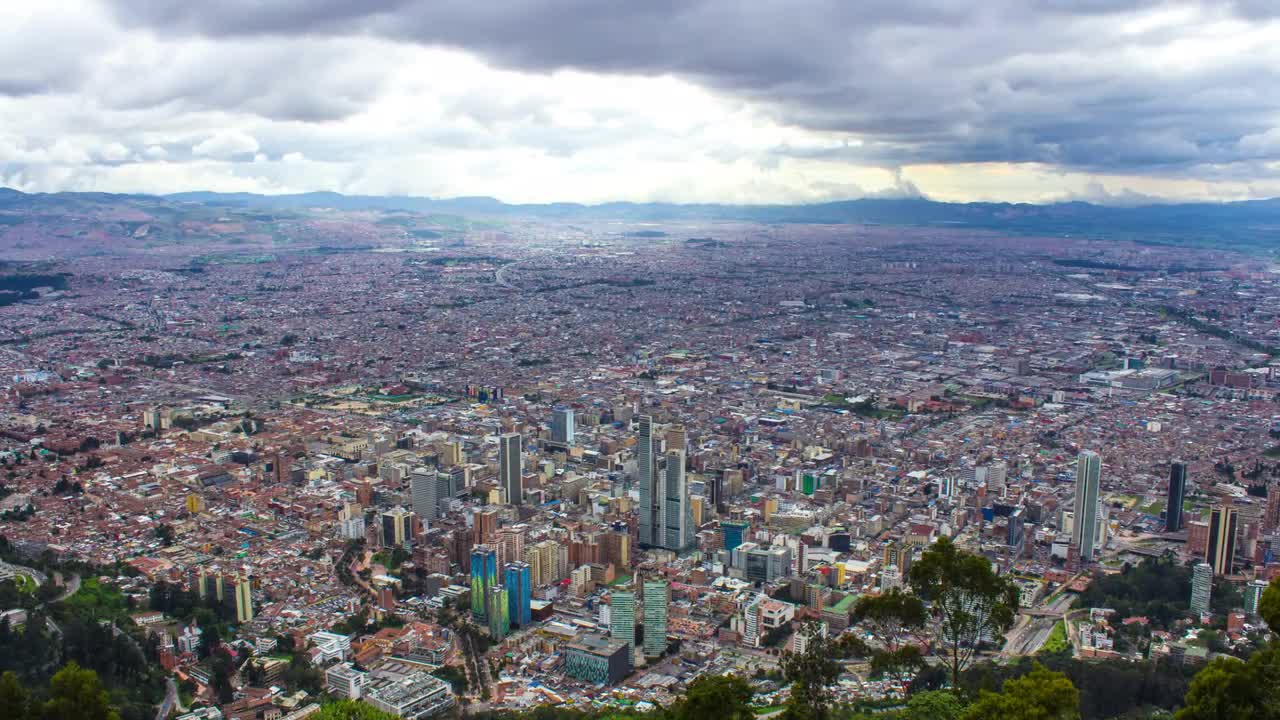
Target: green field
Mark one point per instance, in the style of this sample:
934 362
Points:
1057 641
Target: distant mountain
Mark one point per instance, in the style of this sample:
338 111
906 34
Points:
1254 222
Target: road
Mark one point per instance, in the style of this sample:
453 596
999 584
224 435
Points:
170 699
32 573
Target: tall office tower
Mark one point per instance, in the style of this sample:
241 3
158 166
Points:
511 467
562 430
202 584
452 453
1177 491
424 489
647 477
655 617
677 438
677 511
622 617
1271 515
244 600
519 584
1201 587
733 533
1222 540
397 528
484 575
890 578
496 611
1088 477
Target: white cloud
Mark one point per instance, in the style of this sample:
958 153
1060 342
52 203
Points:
226 144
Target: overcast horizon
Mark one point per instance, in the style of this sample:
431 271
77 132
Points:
689 102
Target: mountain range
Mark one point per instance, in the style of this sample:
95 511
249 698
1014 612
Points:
1252 223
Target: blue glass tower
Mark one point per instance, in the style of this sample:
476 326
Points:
519 593
484 575
733 532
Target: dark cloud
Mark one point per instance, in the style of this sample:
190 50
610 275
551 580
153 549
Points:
1053 81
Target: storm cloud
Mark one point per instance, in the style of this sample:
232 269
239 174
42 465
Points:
1128 91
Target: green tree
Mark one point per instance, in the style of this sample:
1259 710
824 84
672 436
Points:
811 674
76 694
716 696
934 705
1039 695
351 710
1229 689
896 619
966 600
14 698
1269 606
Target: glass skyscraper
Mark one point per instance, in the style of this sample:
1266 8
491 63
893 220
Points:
655 618
622 617
519 593
484 575
1177 491
1088 477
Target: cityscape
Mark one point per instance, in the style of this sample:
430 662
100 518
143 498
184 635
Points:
807 363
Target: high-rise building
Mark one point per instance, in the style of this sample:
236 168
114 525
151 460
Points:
1222 540
655 617
484 575
486 525
622 616
677 438
397 528
1201 587
510 544
511 468
647 479
1253 595
1177 492
890 578
562 430
518 582
244 600
497 609
733 533
424 488
1088 478
677 516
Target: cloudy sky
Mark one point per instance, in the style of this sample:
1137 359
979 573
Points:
694 101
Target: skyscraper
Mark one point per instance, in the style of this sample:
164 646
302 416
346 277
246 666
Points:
622 617
677 516
424 488
397 528
1177 491
1201 587
655 617
518 582
1088 478
646 477
1222 540
484 575
497 609
510 467
1253 595
733 533
562 430
244 600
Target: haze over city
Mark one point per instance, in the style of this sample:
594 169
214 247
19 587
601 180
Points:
563 360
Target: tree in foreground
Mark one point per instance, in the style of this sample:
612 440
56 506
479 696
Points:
724 697
1231 689
967 601
351 710
811 674
76 694
1039 695
934 705
14 698
895 619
